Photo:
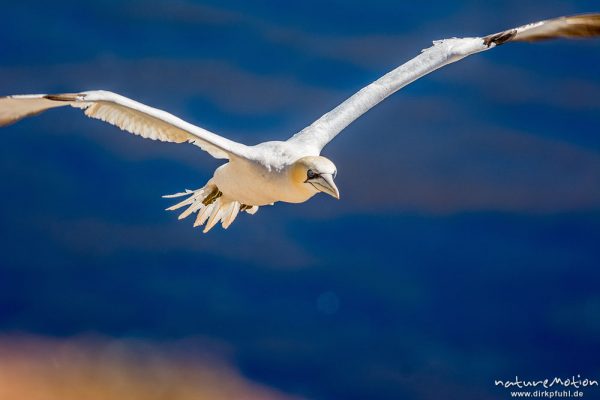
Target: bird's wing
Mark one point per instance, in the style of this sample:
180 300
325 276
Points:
443 52
127 114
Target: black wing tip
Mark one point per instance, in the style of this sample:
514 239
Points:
499 38
573 26
63 97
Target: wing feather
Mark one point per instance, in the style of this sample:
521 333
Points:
576 26
15 108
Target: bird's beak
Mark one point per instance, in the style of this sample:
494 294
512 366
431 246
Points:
324 183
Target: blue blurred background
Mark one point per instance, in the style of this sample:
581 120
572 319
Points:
465 247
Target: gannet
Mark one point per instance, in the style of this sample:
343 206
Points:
291 171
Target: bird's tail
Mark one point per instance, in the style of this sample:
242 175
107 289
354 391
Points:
210 205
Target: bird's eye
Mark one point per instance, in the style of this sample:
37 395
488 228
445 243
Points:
310 174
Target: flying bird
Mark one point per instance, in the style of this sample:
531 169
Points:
291 171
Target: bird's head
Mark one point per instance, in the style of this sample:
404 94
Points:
317 174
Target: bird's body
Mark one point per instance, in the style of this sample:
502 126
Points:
290 171
270 172
264 179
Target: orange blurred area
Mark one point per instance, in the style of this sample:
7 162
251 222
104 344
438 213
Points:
34 368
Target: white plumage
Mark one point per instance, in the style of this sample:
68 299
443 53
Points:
291 171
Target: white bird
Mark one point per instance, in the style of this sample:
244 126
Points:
291 171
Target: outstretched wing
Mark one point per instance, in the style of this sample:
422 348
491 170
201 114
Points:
443 52
127 114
